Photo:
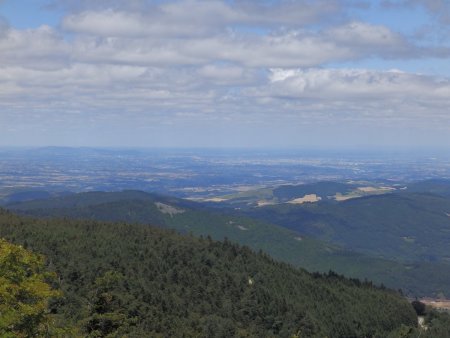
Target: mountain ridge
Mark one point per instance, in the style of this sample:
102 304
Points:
280 243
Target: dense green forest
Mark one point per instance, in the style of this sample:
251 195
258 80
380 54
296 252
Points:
406 226
119 279
415 279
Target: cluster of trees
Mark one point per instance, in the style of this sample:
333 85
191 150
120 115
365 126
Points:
121 280
25 294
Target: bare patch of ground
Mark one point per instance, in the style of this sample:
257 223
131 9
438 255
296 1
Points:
363 191
311 198
168 209
264 203
372 190
215 199
339 197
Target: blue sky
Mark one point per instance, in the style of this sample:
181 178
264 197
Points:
242 73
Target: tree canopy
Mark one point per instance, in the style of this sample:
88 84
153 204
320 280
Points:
131 280
25 293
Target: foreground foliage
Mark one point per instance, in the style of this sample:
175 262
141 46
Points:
25 293
139 281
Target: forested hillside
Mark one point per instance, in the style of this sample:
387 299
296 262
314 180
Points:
120 279
415 279
405 226
439 187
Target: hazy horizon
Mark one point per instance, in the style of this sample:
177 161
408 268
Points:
391 153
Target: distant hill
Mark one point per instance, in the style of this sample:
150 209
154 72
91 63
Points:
140 281
18 195
435 186
404 226
22 196
281 243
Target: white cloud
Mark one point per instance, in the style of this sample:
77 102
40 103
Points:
358 83
284 49
105 23
360 94
41 48
227 74
368 39
138 63
222 89
184 19
195 32
195 15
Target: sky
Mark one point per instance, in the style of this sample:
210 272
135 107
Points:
236 73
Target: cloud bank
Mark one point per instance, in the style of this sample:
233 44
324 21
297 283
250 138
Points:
248 67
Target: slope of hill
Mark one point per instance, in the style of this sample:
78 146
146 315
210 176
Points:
137 280
435 186
16 195
282 244
404 226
